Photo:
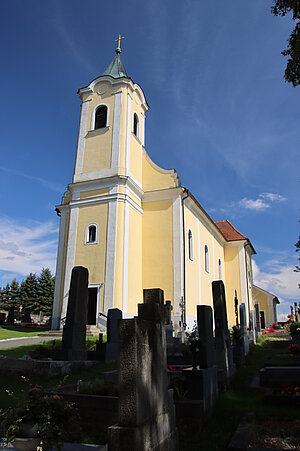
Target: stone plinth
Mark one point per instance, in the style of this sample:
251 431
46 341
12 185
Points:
111 349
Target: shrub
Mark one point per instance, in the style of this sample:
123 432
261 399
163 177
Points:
295 327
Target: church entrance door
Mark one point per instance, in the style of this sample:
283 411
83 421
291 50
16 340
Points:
92 306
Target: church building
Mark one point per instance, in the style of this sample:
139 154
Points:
133 224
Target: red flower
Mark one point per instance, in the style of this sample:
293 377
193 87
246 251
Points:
56 397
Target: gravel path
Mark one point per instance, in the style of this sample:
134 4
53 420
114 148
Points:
14 342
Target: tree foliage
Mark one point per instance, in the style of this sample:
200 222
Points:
292 71
297 268
34 292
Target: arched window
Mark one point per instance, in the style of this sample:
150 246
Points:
91 234
136 125
206 258
220 269
100 117
190 245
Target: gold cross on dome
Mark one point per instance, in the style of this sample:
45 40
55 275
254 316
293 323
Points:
118 40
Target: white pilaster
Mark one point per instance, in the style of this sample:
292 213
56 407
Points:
58 274
199 260
128 132
110 256
116 132
213 250
125 259
70 259
177 257
143 129
81 139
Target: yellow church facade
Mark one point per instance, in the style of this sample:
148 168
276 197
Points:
132 224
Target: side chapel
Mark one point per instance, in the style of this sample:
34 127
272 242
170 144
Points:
133 224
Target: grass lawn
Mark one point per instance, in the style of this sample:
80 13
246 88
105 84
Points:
20 332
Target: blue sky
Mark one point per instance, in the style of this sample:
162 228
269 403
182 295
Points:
220 113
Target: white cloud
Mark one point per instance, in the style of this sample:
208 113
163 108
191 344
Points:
257 204
27 246
263 201
273 197
282 283
47 184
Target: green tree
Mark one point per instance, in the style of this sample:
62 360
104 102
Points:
29 291
292 71
6 297
46 283
14 292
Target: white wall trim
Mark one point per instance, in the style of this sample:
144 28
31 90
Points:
92 126
128 134
70 259
161 194
213 251
81 139
177 257
111 235
125 260
199 259
116 132
143 129
58 274
120 197
243 276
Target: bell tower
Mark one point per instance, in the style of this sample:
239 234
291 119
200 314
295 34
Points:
107 179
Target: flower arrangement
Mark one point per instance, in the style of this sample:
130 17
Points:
288 389
53 420
295 327
294 348
271 330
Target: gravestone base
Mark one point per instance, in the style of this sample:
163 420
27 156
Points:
202 385
111 352
73 343
245 344
158 434
225 376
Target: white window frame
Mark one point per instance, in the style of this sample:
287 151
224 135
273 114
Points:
206 258
86 235
94 116
137 135
190 248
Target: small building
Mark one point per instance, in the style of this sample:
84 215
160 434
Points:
133 224
267 306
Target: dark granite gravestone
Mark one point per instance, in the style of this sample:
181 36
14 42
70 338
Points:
26 317
252 334
11 315
205 329
169 326
202 384
224 358
146 411
257 318
243 326
113 317
74 331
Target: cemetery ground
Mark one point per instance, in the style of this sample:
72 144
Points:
20 332
233 404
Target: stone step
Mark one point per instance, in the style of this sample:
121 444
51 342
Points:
92 331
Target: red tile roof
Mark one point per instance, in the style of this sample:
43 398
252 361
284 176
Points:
229 231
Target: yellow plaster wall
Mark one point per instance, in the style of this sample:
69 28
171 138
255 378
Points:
158 246
94 193
250 282
135 292
119 257
92 256
206 277
135 199
123 133
219 254
153 179
232 280
97 151
136 150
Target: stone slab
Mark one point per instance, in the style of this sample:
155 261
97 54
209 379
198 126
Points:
202 385
153 295
205 328
276 376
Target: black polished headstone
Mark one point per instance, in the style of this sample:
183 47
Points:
205 330
74 331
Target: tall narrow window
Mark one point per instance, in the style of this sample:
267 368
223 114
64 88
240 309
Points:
190 245
220 269
91 234
100 117
136 125
206 258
